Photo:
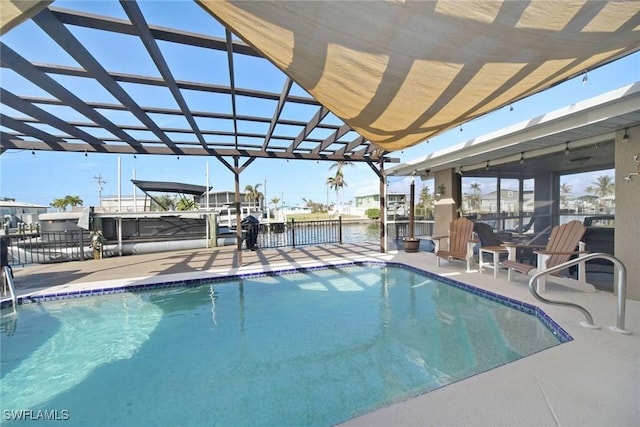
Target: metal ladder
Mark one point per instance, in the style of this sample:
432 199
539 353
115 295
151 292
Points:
7 277
622 290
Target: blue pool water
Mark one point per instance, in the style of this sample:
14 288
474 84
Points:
306 348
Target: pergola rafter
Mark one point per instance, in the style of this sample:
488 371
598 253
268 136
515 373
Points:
200 137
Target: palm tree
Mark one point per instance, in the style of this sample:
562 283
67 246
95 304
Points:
475 187
274 202
165 202
426 200
60 204
74 201
474 200
565 189
340 164
184 204
67 201
254 193
603 186
337 182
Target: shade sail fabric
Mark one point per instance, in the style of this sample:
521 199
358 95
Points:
401 72
13 12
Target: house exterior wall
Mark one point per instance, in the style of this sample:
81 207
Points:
627 222
373 200
447 205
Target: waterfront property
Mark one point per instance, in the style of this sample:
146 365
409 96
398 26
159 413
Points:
359 82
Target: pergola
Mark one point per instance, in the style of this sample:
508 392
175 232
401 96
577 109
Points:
369 77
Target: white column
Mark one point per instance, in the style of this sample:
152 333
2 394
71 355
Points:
119 186
135 197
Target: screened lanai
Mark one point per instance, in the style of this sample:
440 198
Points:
575 139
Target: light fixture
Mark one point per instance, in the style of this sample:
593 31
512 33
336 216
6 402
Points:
85 153
522 158
511 107
33 151
487 168
625 137
585 78
566 149
460 128
134 156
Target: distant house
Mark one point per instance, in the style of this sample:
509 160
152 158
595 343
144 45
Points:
587 204
396 203
288 210
14 213
508 202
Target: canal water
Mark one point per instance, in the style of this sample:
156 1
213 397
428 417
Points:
370 232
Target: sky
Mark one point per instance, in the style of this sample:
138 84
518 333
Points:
43 177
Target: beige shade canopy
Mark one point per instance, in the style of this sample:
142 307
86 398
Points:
13 12
401 72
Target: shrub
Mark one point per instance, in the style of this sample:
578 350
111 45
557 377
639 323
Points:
373 213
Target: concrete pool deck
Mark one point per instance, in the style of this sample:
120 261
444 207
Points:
593 380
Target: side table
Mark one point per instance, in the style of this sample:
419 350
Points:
496 251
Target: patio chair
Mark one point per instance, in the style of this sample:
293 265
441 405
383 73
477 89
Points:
459 243
562 244
490 245
526 227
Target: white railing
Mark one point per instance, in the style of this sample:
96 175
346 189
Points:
7 276
622 290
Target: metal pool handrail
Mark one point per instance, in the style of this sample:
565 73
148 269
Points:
8 280
622 290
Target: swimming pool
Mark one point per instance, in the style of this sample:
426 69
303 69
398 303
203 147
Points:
303 348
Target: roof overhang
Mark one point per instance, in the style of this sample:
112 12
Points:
579 137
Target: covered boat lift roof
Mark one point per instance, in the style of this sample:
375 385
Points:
170 187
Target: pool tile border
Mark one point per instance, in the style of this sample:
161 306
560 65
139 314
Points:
562 335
